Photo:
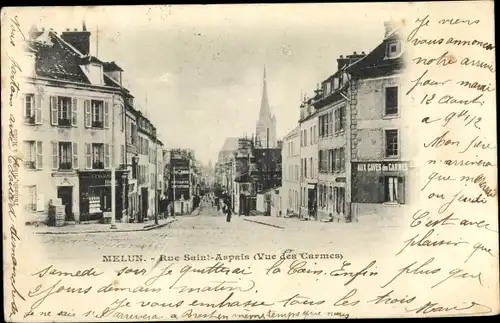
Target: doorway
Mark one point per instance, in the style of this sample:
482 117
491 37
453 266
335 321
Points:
145 201
311 201
65 193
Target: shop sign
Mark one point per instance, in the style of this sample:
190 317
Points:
107 182
181 182
383 167
181 186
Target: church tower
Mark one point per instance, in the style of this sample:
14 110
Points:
266 125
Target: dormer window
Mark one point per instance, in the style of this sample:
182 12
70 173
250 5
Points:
328 88
94 73
393 49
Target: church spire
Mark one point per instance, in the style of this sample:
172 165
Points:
264 105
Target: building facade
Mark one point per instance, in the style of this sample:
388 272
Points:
333 178
380 145
290 171
73 129
182 180
308 158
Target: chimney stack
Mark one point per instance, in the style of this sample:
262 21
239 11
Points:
389 27
342 62
78 39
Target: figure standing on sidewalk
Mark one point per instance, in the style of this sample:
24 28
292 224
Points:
228 212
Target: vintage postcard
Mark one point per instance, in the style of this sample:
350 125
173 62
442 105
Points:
249 162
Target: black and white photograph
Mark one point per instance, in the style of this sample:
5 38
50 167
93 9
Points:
249 162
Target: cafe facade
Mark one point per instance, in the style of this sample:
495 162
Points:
380 141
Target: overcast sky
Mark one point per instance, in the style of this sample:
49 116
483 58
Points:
201 67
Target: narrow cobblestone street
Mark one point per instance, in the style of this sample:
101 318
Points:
209 233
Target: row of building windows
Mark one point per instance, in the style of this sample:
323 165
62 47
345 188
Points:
291 149
65 155
311 134
292 173
311 171
332 122
143 177
332 160
130 131
64 111
331 198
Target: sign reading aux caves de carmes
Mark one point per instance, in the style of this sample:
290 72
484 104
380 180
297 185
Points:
382 167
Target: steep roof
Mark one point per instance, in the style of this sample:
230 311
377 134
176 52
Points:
265 111
59 60
294 131
376 62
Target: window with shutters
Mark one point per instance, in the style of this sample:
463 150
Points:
64 113
334 160
97 112
76 163
30 154
330 123
29 109
65 155
391 100
98 156
342 159
342 118
337 160
30 198
337 120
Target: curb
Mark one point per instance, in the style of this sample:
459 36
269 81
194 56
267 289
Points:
271 225
145 228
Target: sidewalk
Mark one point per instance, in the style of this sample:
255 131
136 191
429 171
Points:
102 228
296 224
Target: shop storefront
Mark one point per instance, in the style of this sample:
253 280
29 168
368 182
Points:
378 187
95 194
312 202
332 200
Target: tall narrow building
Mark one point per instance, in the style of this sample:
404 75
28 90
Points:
266 125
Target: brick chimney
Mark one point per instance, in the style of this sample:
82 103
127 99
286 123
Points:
78 39
342 62
354 57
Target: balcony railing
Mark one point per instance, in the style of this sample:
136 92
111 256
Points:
64 122
97 165
65 165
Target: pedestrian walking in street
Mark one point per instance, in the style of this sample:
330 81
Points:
228 213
